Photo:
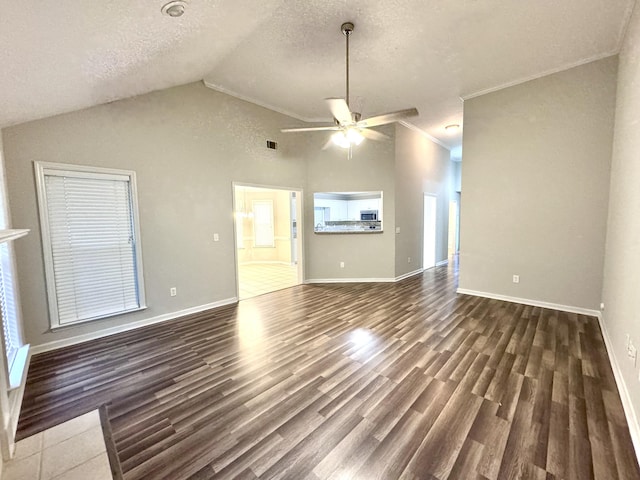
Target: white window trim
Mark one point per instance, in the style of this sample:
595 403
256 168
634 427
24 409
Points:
272 242
89 172
17 372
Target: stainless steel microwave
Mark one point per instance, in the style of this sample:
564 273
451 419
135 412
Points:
368 215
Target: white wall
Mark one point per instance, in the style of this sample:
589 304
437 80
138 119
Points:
421 167
535 174
622 259
187 145
457 176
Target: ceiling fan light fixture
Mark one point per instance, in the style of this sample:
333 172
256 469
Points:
348 126
347 137
354 136
340 139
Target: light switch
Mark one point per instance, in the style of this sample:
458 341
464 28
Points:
397 229
216 237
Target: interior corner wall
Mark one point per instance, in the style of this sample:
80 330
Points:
187 145
457 176
421 167
621 316
5 414
535 171
366 256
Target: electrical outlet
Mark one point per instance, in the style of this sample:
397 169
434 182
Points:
216 237
341 264
173 291
516 279
397 229
602 306
408 259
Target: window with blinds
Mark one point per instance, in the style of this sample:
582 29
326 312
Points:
90 240
263 231
8 309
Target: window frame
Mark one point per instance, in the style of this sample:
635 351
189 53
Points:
42 169
271 224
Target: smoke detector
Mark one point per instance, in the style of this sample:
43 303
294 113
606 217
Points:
175 8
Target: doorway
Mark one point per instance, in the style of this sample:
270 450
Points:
268 241
429 232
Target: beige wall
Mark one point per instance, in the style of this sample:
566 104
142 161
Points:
535 173
421 167
622 259
187 145
366 256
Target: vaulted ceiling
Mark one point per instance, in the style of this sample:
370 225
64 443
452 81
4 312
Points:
62 56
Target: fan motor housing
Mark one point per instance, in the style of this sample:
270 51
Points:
347 28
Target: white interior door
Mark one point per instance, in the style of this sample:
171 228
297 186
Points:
429 236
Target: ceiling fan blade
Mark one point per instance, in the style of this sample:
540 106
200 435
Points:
373 135
387 118
328 144
340 110
311 129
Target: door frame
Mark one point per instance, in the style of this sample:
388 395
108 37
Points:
435 229
299 223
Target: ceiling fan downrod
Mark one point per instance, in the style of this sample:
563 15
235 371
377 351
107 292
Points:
347 30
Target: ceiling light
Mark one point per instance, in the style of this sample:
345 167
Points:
174 9
340 139
347 137
452 128
354 136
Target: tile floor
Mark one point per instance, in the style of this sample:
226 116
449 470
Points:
259 278
74 450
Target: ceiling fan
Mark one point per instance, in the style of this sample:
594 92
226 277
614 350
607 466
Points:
349 128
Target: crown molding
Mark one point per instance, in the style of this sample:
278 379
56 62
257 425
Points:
411 126
239 96
519 81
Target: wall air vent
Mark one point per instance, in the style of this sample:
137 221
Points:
272 145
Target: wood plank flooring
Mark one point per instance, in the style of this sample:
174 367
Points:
350 381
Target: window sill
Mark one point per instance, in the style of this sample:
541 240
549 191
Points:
18 372
94 319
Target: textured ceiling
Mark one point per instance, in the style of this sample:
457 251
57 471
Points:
289 55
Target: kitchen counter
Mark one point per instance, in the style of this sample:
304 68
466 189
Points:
349 226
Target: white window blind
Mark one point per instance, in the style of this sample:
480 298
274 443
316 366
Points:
8 309
90 241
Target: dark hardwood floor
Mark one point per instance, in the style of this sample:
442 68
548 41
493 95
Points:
350 381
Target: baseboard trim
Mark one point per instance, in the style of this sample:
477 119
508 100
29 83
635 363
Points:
442 262
533 303
56 344
266 262
350 280
409 274
627 404
370 280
